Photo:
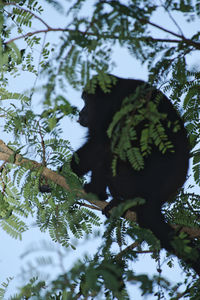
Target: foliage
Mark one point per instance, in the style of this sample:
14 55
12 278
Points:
123 129
33 122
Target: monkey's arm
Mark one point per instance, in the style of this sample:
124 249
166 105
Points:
83 159
91 157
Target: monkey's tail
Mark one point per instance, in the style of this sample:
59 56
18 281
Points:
185 249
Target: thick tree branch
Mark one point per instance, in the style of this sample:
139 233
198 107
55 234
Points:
6 153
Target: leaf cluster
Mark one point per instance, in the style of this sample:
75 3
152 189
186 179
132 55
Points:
139 113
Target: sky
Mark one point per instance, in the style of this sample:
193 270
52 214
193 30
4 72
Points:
11 250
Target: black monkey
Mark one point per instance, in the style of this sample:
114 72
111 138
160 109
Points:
162 175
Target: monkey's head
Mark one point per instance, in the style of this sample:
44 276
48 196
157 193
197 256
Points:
99 107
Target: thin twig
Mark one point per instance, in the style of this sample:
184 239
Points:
173 20
30 12
89 206
162 28
44 163
49 28
105 36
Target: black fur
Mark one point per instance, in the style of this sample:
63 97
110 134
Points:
163 174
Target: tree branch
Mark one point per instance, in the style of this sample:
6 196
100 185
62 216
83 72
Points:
28 11
6 152
172 18
106 36
181 37
163 29
49 28
33 33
